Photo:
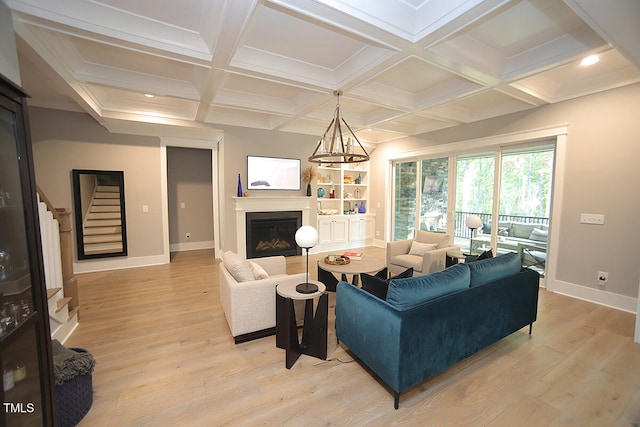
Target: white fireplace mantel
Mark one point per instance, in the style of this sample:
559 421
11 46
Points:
267 204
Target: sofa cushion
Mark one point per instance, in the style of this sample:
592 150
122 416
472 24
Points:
442 240
539 235
239 268
258 272
408 293
489 270
406 261
376 285
420 249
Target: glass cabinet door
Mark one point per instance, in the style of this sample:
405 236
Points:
24 353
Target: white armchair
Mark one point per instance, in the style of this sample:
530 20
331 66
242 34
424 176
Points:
426 257
250 305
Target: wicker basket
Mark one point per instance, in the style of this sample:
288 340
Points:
75 398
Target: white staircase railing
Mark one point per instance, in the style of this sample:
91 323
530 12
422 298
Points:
50 239
62 288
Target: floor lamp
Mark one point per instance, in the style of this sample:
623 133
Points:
473 222
307 237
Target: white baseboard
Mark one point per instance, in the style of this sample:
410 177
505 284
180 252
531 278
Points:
597 296
118 263
190 246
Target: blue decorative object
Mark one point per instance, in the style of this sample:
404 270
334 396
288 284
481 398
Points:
362 209
239 186
320 192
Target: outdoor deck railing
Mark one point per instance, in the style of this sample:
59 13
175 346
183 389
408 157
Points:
461 230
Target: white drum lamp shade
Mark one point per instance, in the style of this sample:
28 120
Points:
306 236
473 222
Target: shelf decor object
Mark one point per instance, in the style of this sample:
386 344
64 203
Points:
336 145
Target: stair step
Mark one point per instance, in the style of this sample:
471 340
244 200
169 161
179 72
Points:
103 195
62 303
106 202
104 248
102 238
52 291
102 223
108 188
105 208
76 310
103 215
93 231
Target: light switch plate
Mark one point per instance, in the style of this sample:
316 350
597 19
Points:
592 219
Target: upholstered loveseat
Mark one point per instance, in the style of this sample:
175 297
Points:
431 322
425 254
529 240
247 293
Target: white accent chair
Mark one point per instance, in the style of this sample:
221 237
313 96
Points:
250 305
425 259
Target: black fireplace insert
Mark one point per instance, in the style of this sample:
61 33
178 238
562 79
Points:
272 233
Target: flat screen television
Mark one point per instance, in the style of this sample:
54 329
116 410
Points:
273 173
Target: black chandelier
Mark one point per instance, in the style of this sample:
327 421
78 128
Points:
337 146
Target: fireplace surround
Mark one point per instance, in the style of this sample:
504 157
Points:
244 205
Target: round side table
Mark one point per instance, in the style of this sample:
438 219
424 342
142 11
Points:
314 330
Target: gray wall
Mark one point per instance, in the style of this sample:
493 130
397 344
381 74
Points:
601 176
63 141
8 54
189 182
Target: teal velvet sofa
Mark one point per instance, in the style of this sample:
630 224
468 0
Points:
428 323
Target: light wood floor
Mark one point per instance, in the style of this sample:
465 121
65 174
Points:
165 357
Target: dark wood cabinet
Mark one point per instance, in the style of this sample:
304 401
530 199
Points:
28 392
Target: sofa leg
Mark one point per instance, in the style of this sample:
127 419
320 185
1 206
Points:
530 328
396 399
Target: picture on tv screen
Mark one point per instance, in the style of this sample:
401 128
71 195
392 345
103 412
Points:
273 173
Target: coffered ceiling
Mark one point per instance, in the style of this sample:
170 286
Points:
406 67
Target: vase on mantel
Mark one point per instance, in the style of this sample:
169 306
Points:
239 186
308 189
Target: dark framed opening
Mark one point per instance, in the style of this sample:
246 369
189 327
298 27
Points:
272 233
99 213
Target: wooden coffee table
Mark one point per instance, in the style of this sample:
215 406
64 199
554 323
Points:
355 267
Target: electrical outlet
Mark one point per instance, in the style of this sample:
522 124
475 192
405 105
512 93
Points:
188 235
603 278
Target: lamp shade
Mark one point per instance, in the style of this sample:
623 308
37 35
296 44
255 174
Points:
306 236
473 221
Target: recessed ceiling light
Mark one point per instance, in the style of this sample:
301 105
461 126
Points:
148 95
590 60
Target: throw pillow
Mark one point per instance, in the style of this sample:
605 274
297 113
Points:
539 235
486 227
378 286
258 272
237 267
420 249
483 255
